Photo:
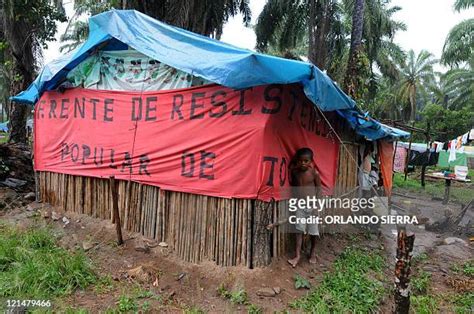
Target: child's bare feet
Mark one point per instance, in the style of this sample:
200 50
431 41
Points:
313 260
293 262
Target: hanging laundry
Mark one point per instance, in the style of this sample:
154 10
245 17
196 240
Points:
446 146
419 147
464 138
427 158
459 142
439 146
452 151
461 159
400 159
471 135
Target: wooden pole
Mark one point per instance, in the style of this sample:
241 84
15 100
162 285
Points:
405 243
116 211
393 160
447 185
423 172
408 155
423 168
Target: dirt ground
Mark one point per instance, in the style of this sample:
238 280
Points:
183 286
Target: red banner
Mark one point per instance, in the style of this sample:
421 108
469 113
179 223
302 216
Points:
206 140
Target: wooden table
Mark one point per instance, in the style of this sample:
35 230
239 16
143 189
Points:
447 184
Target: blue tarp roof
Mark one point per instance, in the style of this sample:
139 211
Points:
201 56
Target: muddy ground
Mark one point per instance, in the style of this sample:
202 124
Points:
183 286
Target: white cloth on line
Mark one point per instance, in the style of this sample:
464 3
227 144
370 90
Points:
452 151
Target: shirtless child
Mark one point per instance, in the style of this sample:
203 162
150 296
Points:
305 181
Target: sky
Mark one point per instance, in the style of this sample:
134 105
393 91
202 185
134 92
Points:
428 23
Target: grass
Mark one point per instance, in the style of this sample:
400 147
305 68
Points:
33 266
420 302
419 259
463 303
424 301
137 301
104 285
353 285
301 282
193 310
410 183
253 309
127 304
461 194
468 268
238 296
421 282
424 304
3 138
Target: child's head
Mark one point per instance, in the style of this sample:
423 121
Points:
304 158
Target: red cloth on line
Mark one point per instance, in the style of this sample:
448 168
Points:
386 164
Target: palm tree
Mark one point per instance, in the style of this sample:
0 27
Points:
416 73
312 26
74 35
459 45
282 26
202 17
463 4
26 26
351 80
460 86
285 25
386 104
438 91
77 30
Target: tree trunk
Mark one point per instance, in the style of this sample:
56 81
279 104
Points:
351 80
405 243
18 123
322 30
312 51
413 104
319 20
19 112
22 53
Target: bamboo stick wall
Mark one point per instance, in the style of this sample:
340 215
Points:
228 231
197 227
346 179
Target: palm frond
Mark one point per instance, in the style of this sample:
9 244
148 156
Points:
459 45
463 4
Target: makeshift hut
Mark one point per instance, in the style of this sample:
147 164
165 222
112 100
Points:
198 133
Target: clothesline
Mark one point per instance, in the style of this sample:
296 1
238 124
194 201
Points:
444 154
456 145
